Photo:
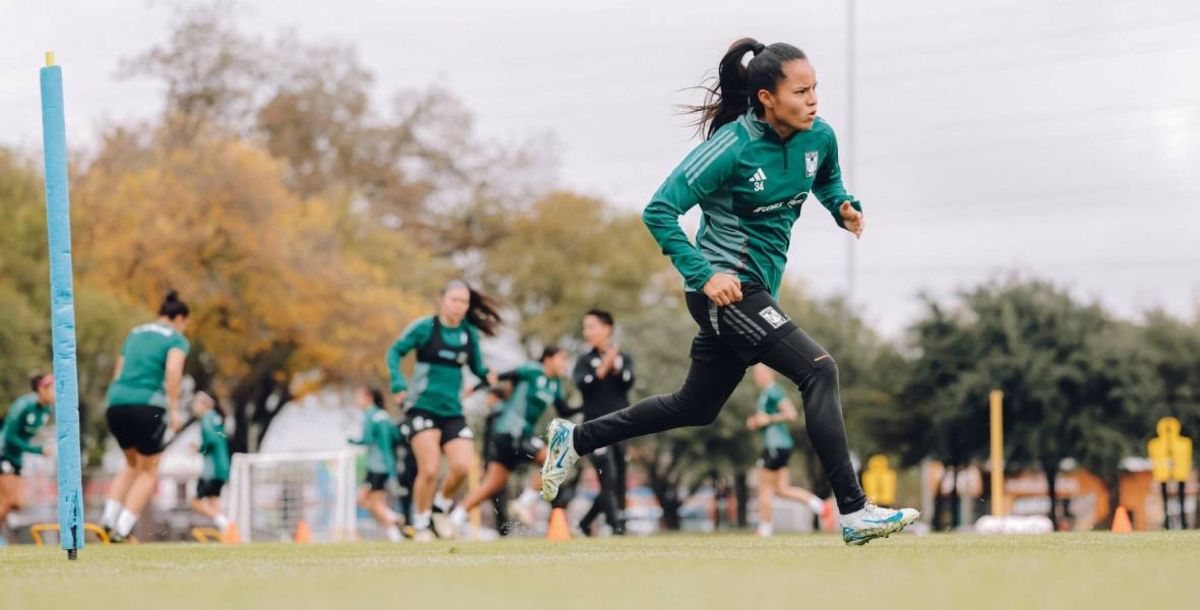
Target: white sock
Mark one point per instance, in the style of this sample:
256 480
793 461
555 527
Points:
393 533
816 505
112 509
766 529
528 497
222 522
421 520
125 522
442 502
391 515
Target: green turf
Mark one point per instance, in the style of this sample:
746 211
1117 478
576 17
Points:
1065 571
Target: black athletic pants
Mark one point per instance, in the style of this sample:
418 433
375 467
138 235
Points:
730 339
609 463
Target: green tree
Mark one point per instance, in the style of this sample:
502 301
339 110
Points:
570 253
1075 385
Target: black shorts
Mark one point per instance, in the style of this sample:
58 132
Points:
746 328
9 467
775 459
209 488
377 481
509 451
140 427
452 428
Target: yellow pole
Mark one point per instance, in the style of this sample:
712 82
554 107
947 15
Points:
997 418
473 484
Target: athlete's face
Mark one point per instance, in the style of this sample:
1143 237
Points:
763 376
363 398
46 394
595 331
793 104
556 365
202 405
455 303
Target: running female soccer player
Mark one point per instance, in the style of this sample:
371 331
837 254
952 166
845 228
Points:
536 385
143 401
25 417
770 417
765 153
444 343
215 449
379 437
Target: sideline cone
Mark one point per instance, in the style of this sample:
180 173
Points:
1121 523
558 529
231 535
303 535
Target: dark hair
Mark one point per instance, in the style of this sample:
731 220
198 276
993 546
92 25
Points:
172 307
376 396
601 315
550 352
483 312
35 382
737 86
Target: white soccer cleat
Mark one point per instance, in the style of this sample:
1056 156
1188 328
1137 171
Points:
560 457
424 535
871 522
459 522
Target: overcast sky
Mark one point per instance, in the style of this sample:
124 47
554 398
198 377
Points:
1057 138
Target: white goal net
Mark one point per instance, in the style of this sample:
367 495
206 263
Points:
272 496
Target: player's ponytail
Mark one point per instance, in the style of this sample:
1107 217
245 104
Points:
737 85
172 307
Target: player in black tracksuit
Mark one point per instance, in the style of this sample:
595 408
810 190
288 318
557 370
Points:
604 376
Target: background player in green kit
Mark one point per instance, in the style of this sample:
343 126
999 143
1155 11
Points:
536 386
25 417
143 401
444 344
215 449
770 418
766 152
379 436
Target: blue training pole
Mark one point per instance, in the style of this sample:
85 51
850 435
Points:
62 311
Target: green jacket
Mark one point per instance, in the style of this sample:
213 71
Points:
214 447
143 375
776 435
750 185
533 391
379 435
25 418
436 385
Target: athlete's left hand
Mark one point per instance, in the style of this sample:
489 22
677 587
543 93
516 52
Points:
493 379
852 219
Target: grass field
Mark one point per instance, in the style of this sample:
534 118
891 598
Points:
731 572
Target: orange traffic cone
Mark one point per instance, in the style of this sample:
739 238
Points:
829 516
303 535
1120 524
230 535
558 529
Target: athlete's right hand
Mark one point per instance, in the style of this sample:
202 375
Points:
398 398
723 289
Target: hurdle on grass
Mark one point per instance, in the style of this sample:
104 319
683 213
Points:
62 310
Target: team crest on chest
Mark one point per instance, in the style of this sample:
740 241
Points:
810 163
